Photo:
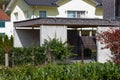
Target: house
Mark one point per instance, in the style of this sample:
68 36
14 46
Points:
4 24
74 21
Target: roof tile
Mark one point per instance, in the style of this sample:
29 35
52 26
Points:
4 16
41 2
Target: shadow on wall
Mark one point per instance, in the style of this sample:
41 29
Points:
28 37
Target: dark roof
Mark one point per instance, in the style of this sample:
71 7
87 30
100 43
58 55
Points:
71 22
42 2
98 1
4 16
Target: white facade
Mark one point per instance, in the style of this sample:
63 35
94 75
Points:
22 11
7 29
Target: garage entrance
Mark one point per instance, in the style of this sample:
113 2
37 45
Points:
83 40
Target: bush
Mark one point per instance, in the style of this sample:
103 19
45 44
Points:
56 50
2 57
27 56
77 71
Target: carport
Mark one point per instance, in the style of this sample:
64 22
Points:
35 31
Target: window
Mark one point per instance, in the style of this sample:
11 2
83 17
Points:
2 24
16 15
76 14
71 14
42 14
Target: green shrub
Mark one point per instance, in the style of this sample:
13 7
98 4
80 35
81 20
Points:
2 57
27 56
77 71
56 50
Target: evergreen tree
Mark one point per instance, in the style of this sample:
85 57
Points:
1 42
6 50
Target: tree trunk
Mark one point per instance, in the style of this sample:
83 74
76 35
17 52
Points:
6 60
82 54
49 55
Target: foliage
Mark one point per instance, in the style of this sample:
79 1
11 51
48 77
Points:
111 39
27 56
77 71
35 55
2 57
1 42
3 2
11 42
56 49
5 46
87 52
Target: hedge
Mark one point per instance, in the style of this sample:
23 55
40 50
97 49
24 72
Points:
77 71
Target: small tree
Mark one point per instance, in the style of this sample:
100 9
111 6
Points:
1 50
1 42
111 39
6 49
8 45
56 49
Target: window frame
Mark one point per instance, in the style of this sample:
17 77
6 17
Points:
2 24
42 14
76 14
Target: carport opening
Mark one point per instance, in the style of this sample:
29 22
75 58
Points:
83 41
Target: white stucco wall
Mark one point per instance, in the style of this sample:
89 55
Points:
79 5
103 55
52 31
8 29
2 30
26 37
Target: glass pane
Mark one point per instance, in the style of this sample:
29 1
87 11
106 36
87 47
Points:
80 14
2 24
42 14
71 14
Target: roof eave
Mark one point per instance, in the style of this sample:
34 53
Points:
44 5
8 8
